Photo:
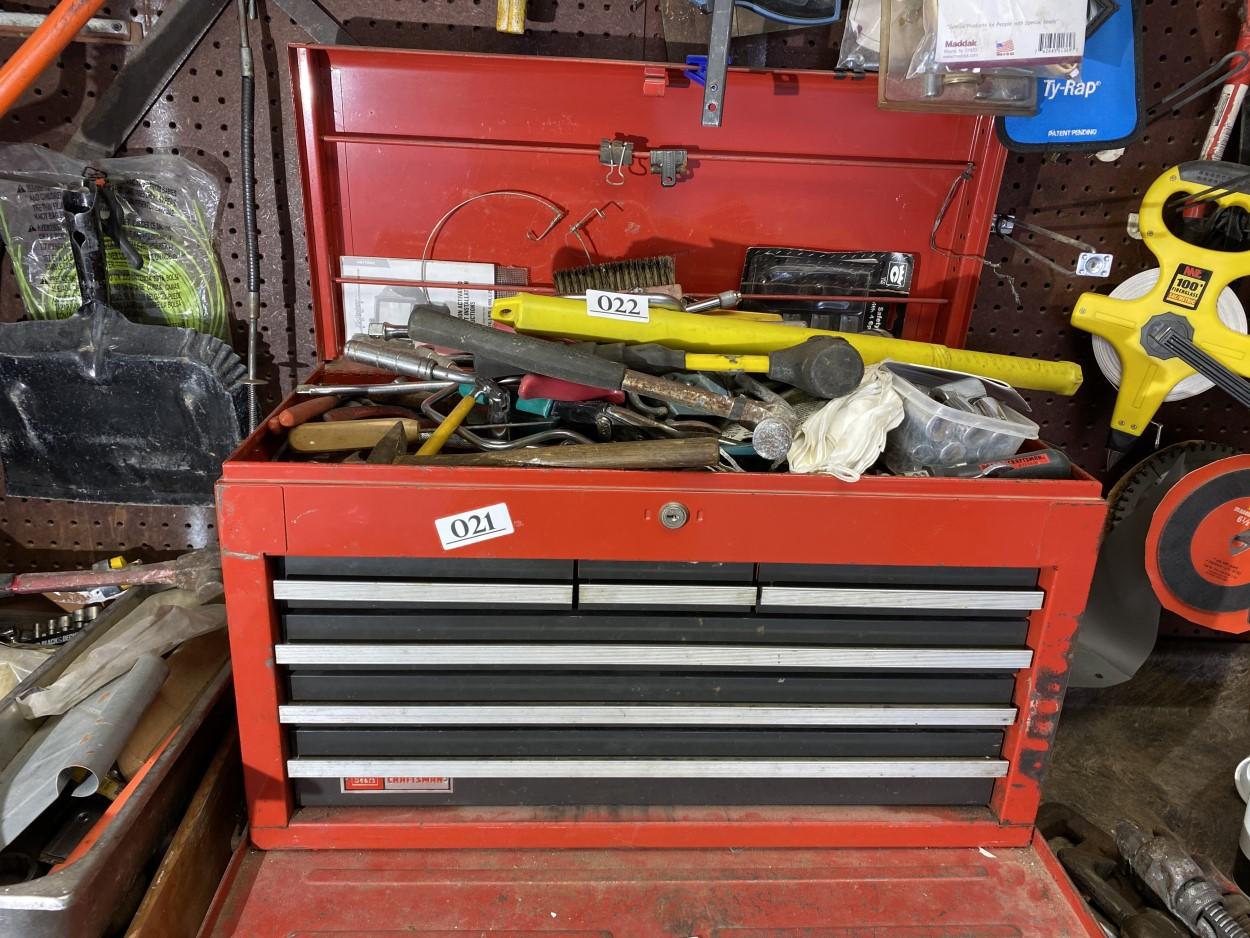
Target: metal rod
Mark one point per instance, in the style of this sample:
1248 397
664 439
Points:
576 150
594 656
369 390
649 768
549 289
717 62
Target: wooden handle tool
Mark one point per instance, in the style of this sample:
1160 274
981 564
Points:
339 436
688 453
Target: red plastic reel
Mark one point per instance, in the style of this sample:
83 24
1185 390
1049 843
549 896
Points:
1198 547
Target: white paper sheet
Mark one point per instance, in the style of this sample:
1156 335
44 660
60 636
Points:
372 303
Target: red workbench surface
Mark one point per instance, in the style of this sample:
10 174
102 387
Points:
935 893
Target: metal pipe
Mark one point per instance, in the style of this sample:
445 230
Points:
391 356
41 49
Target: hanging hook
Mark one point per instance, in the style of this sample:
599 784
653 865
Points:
546 231
1225 69
576 229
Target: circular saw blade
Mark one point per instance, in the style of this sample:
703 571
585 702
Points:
1144 486
1198 546
1121 621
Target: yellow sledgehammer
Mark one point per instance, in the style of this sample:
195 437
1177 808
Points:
695 332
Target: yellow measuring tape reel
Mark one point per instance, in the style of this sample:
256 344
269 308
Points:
1174 330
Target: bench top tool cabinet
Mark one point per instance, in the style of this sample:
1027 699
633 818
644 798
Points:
802 663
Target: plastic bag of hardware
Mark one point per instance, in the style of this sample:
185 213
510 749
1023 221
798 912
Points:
970 91
169 207
861 40
157 626
1038 38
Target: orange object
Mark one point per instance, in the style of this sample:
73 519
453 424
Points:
41 49
370 412
305 411
100 826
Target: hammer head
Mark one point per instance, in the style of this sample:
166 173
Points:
824 366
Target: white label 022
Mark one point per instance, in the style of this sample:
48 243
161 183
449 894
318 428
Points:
469 527
627 306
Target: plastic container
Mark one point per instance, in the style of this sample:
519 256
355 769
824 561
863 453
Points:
934 434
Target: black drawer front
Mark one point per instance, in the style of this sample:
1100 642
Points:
423 568
857 575
596 743
333 625
511 791
543 686
451 681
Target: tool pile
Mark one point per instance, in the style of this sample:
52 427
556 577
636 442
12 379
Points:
635 377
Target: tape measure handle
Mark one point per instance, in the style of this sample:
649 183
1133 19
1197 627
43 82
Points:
1192 178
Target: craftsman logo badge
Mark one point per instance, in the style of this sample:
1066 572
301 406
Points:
376 783
1188 285
469 527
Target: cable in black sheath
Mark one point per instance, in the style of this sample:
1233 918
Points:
248 160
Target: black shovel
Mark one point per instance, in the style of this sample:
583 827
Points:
98 408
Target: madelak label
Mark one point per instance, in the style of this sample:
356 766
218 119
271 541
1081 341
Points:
1188 285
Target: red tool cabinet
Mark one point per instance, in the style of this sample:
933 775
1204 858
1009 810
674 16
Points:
875 665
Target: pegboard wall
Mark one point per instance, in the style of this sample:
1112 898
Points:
198 117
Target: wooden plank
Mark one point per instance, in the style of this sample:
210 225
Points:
186 880
192 667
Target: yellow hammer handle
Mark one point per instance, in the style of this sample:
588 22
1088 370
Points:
510 16
719 335
699 361
445 429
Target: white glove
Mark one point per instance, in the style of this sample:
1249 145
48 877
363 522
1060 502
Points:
847 435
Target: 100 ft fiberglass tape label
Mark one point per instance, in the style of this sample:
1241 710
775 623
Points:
469 527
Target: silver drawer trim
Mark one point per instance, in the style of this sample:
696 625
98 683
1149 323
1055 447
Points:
805 597
457 593
671 594
643 715
648 768
684 656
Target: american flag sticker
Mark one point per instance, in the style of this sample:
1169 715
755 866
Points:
1005 48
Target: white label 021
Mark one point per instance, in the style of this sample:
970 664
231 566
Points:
628 306
469 527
